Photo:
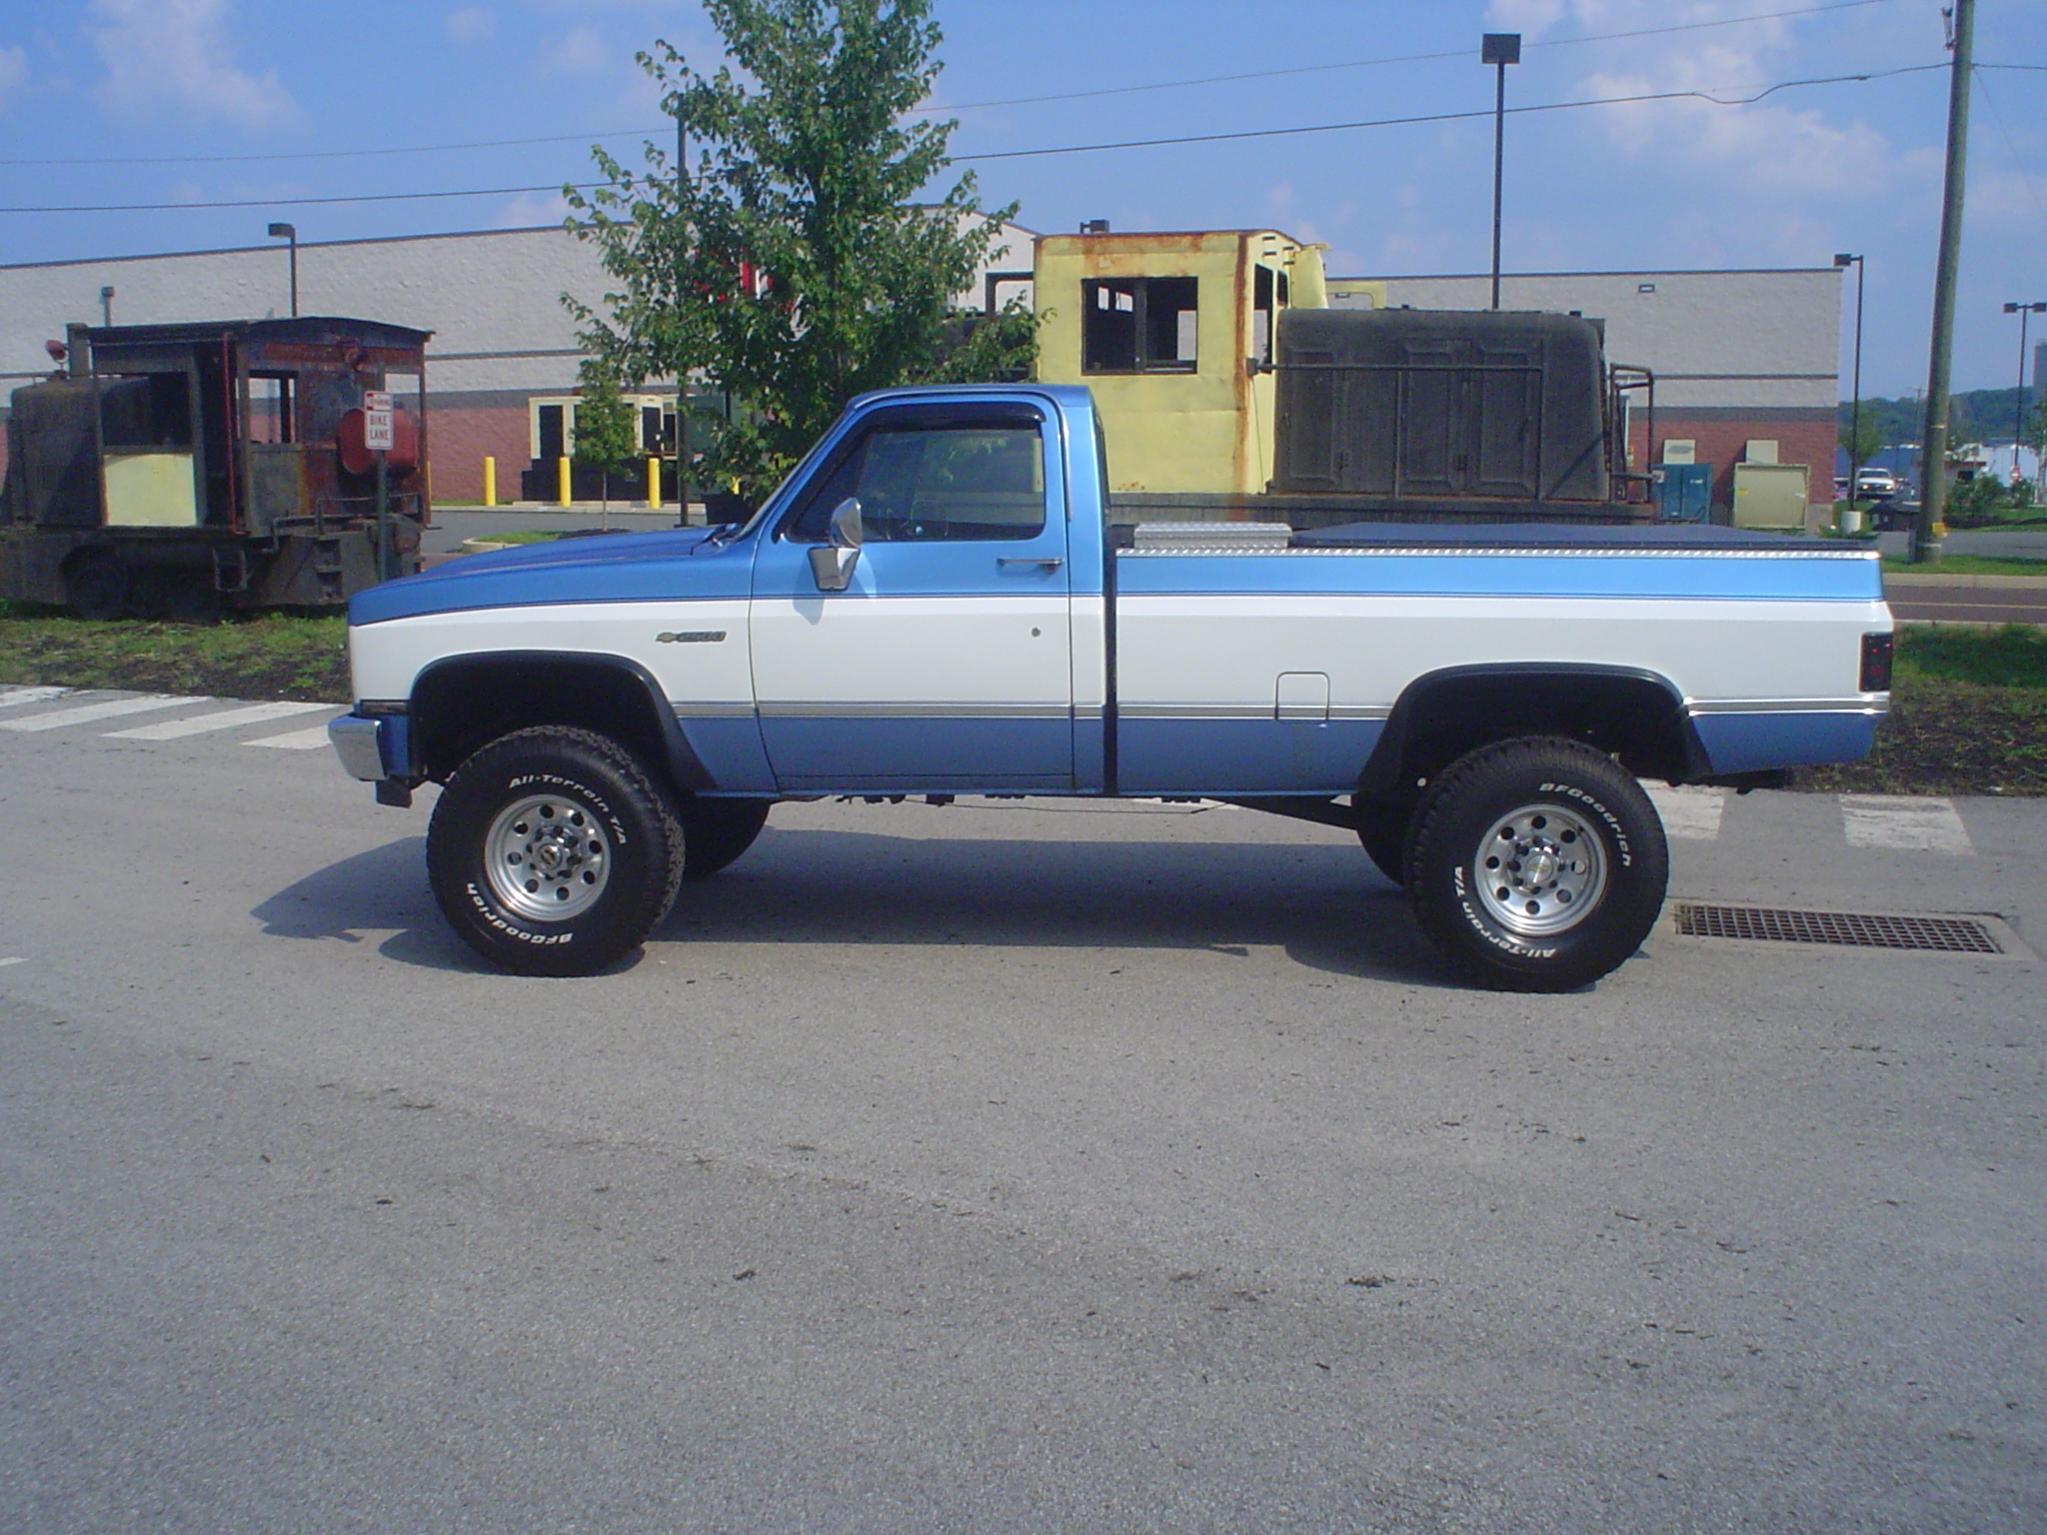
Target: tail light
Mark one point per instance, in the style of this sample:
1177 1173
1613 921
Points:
1876 663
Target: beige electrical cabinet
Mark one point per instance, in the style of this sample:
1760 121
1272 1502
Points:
1771 495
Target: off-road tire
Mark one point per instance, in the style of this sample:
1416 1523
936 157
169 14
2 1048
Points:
716 831
1461 809
642 841
1382 829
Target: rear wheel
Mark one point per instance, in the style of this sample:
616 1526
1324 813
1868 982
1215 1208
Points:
552 852
716 831
1537 864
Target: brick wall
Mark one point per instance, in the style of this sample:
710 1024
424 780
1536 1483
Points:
458 437
1721 439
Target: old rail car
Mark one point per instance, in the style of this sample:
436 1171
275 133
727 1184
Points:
181 468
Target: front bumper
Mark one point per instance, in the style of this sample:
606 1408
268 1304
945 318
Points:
358 742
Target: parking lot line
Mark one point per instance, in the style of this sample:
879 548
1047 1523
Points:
1902 821
226 719
10 697
85 714
1692 814
295 740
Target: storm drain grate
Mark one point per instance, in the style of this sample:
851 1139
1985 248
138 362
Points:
1859 930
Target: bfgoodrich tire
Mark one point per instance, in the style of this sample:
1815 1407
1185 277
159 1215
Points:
1537 864
718 831
552 852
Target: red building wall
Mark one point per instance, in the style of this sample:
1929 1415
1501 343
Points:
459 435
1722 439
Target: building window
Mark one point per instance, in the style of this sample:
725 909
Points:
1138 324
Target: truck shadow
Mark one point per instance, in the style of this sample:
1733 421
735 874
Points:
1321 904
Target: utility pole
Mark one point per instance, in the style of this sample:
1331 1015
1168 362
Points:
1499 49
2018 429
1842 259
681 262
1933 492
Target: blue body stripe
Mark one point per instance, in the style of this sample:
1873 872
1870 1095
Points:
1750 743
1492 575
923 752
1248 756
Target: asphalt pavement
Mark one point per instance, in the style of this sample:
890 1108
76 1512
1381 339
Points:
1001 1166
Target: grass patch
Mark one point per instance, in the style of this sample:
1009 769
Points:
1969 565
1968 716
521 536
273 655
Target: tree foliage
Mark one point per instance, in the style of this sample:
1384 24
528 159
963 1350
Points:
1862 439
793 271
607 435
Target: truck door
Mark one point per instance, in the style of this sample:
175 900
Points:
946 662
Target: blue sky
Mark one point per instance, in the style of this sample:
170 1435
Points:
139 84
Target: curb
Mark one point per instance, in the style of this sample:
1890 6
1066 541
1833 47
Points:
1999 583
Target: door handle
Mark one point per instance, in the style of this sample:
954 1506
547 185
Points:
1042 561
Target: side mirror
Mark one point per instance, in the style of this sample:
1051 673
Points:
831 565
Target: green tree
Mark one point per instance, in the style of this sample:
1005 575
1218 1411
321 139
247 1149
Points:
607 435
1862 440
793 271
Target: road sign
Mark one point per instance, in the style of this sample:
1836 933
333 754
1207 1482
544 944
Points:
376 399
376 429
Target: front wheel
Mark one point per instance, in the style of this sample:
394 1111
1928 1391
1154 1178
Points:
552 852
1537 864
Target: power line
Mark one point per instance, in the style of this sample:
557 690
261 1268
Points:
1398 58
1448 117
967 106
1014 154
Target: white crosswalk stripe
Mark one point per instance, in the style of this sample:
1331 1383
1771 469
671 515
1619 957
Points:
295 741
1902 821
1690 814
226 719
85 714
9 697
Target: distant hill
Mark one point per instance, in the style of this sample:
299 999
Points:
1976 415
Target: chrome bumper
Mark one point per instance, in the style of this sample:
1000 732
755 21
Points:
358 743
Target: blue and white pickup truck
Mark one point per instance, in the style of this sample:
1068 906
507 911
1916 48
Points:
935 603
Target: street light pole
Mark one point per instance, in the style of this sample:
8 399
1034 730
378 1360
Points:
1499 49
2018 430
1855 410
290 232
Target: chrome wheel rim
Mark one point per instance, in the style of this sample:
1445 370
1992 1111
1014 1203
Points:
547 857
1540 870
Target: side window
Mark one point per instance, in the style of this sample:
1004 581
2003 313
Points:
1138 324
152 410
965 481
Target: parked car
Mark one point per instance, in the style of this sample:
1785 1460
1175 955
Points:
1875 482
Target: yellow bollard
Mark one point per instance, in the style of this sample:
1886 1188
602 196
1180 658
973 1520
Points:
490 480
653 484
561 474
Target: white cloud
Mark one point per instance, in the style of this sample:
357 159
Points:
13 73
581 52
178 53
471 24
530 209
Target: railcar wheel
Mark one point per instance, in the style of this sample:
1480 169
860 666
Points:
1537 864
552 852
96 587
